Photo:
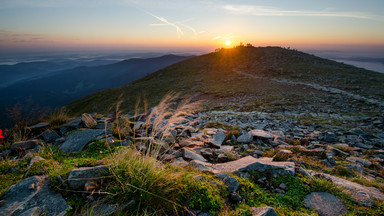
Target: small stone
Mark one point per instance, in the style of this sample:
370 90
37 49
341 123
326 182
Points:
245 138
88 120
206 153
263 211
235 197
362 161
190 155
221 158
50 136
329 137
244 147
283 186
217 140
261 134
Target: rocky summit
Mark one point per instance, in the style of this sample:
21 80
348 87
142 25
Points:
274 133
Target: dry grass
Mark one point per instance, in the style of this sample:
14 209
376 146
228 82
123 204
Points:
162 119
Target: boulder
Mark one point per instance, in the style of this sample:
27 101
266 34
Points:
24 145
88 120
50 136
190 155
245 138
78 178
217 140
30 195
326 204
261 134
263 211
77 140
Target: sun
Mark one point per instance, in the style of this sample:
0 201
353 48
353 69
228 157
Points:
228 42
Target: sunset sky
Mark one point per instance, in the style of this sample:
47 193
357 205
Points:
190 23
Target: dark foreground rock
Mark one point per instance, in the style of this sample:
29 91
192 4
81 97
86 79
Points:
32 195
77 141
78 178
326 204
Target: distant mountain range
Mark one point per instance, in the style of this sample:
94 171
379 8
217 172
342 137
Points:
49 85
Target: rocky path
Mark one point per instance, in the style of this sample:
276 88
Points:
314 86
215 142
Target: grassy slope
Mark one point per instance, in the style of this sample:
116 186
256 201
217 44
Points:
212 76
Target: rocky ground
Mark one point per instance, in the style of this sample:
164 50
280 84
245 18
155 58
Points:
271 150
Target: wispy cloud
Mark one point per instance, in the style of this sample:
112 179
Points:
179 32
226 37
273 11
177 25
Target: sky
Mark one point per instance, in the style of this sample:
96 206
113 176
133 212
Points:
150 24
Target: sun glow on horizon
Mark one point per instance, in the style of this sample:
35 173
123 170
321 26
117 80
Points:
227 42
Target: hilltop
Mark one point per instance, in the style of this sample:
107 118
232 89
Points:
250 78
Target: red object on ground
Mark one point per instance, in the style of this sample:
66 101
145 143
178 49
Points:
1 136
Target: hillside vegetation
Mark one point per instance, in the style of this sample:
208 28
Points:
253 78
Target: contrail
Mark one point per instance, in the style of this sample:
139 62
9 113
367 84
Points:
179 32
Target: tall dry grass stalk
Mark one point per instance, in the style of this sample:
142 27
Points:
162 119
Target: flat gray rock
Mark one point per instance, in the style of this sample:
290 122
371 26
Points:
326 204
263 211
191 155
77 141
30 195
361 194
249 163
79 177
261 134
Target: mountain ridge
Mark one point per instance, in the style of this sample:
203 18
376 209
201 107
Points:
274 79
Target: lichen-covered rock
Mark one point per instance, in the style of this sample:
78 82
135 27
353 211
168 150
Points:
31 193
